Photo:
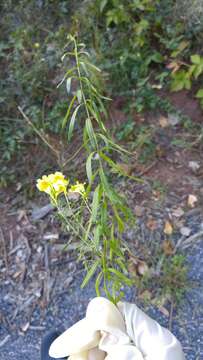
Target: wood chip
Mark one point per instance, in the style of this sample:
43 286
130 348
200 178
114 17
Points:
192 199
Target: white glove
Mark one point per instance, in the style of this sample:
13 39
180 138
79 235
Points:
116 333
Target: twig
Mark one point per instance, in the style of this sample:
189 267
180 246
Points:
4 341
14 249
148 168
23 306
23 276
47 279
171 315
74 155
37 328
38 132
192 238
179 242
4 249
11 240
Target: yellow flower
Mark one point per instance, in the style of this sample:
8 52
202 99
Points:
53 184
60 186
43 184
78 188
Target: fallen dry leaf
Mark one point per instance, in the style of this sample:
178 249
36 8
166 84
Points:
142 268
168 247
192 199
163 122
137 266
152 224
168 228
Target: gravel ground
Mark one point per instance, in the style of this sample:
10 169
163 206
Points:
63 311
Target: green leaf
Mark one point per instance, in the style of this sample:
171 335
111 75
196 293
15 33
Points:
114 146
79 95
72 122
89 167
181 47
68 112
120 222
110 193
66 75
104 215
95 202
103 4
121 276
113 165
93 110
91 66
199 94
198 70
90 273
196 59
68 84
181 80
97 235
121 264
98 283
90 131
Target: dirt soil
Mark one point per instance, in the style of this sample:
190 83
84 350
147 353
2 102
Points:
40 283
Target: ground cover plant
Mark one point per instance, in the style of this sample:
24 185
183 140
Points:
100 229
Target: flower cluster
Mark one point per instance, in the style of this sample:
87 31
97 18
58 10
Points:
55 184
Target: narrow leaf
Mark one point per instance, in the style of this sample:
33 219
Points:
95 203
68 84
121 276
90 131
68 112
90 273
98 283
89 167
72 122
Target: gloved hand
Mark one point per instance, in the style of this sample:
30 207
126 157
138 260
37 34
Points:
121 332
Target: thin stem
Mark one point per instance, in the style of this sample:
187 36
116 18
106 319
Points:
78 223
38 132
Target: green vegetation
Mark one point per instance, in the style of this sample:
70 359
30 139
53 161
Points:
34 34
145 49
145 45
141 46
169 283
